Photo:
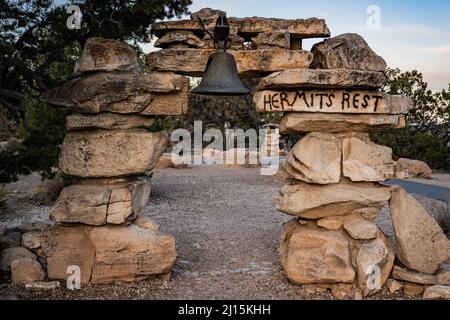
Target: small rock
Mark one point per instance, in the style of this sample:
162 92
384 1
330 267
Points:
42 285
361 229
331 223
25 270
443 275
342 291
412 289
146 223
314 289
7 256
414 277
394 285
10 240
31 240
437 292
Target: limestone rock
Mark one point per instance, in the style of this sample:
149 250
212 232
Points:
10 240
48 190
314 202
421 243
394 285
117 92
100 54
35 226
443 275
44 286
181 37
437 292
312 256
361 229
108 254
106 121
31 240
323 79
292 123
26 270
366 161
414 277
272 40
7 256
412 289
166 162
316 158
331 101
250 63
331 223
377 252
98 205
146 223
415 168
111 153
346 51
207 14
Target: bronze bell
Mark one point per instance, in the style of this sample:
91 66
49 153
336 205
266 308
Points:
221 76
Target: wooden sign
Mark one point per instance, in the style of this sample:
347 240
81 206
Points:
331 101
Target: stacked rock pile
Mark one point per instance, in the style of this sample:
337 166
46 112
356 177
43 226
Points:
110 151
335 191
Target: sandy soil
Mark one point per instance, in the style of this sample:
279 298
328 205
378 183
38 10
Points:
227 232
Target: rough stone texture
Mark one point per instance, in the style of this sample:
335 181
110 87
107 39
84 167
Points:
98 205
272 40
313 201
117 92
100 54
422 245
443 275
437 292
292 123
108 121
412 289
332 101
166 162
323 79
146 223
179 38
414 277
250 63
207 14
331 223
42 286
394 285
108 254
7 256
310 255
415 168
364 160
361 229
26 270
111 153
346 51
316 158
248 27
31 240
377 252
10 240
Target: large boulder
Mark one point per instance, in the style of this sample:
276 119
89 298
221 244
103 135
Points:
316 158
100 54
25 270
422 245
364 160
7 256
346 51
310 201
108 254
122 93
111 153
415 168
313 256
98 205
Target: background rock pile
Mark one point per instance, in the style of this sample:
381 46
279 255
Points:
109 151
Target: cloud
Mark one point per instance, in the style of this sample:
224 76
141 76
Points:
445 49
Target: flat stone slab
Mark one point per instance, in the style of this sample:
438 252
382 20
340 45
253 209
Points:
332 101
321 122
106 121
250 63
248 27
323 79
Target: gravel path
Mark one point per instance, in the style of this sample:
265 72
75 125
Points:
227 232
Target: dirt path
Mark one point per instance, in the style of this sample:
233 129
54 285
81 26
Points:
227 232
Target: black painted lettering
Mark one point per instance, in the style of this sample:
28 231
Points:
303 96
284 99
345 98
275 100
377 99
356 101
267 102
312 99
366 100
330 100
321 95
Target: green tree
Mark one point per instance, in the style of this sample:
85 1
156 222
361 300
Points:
38 52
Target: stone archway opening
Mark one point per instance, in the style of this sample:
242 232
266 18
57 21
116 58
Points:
330 95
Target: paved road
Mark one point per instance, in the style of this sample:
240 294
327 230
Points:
439 193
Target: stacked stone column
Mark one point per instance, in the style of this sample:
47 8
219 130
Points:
110 152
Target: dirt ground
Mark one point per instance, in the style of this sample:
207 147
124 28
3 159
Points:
227 232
